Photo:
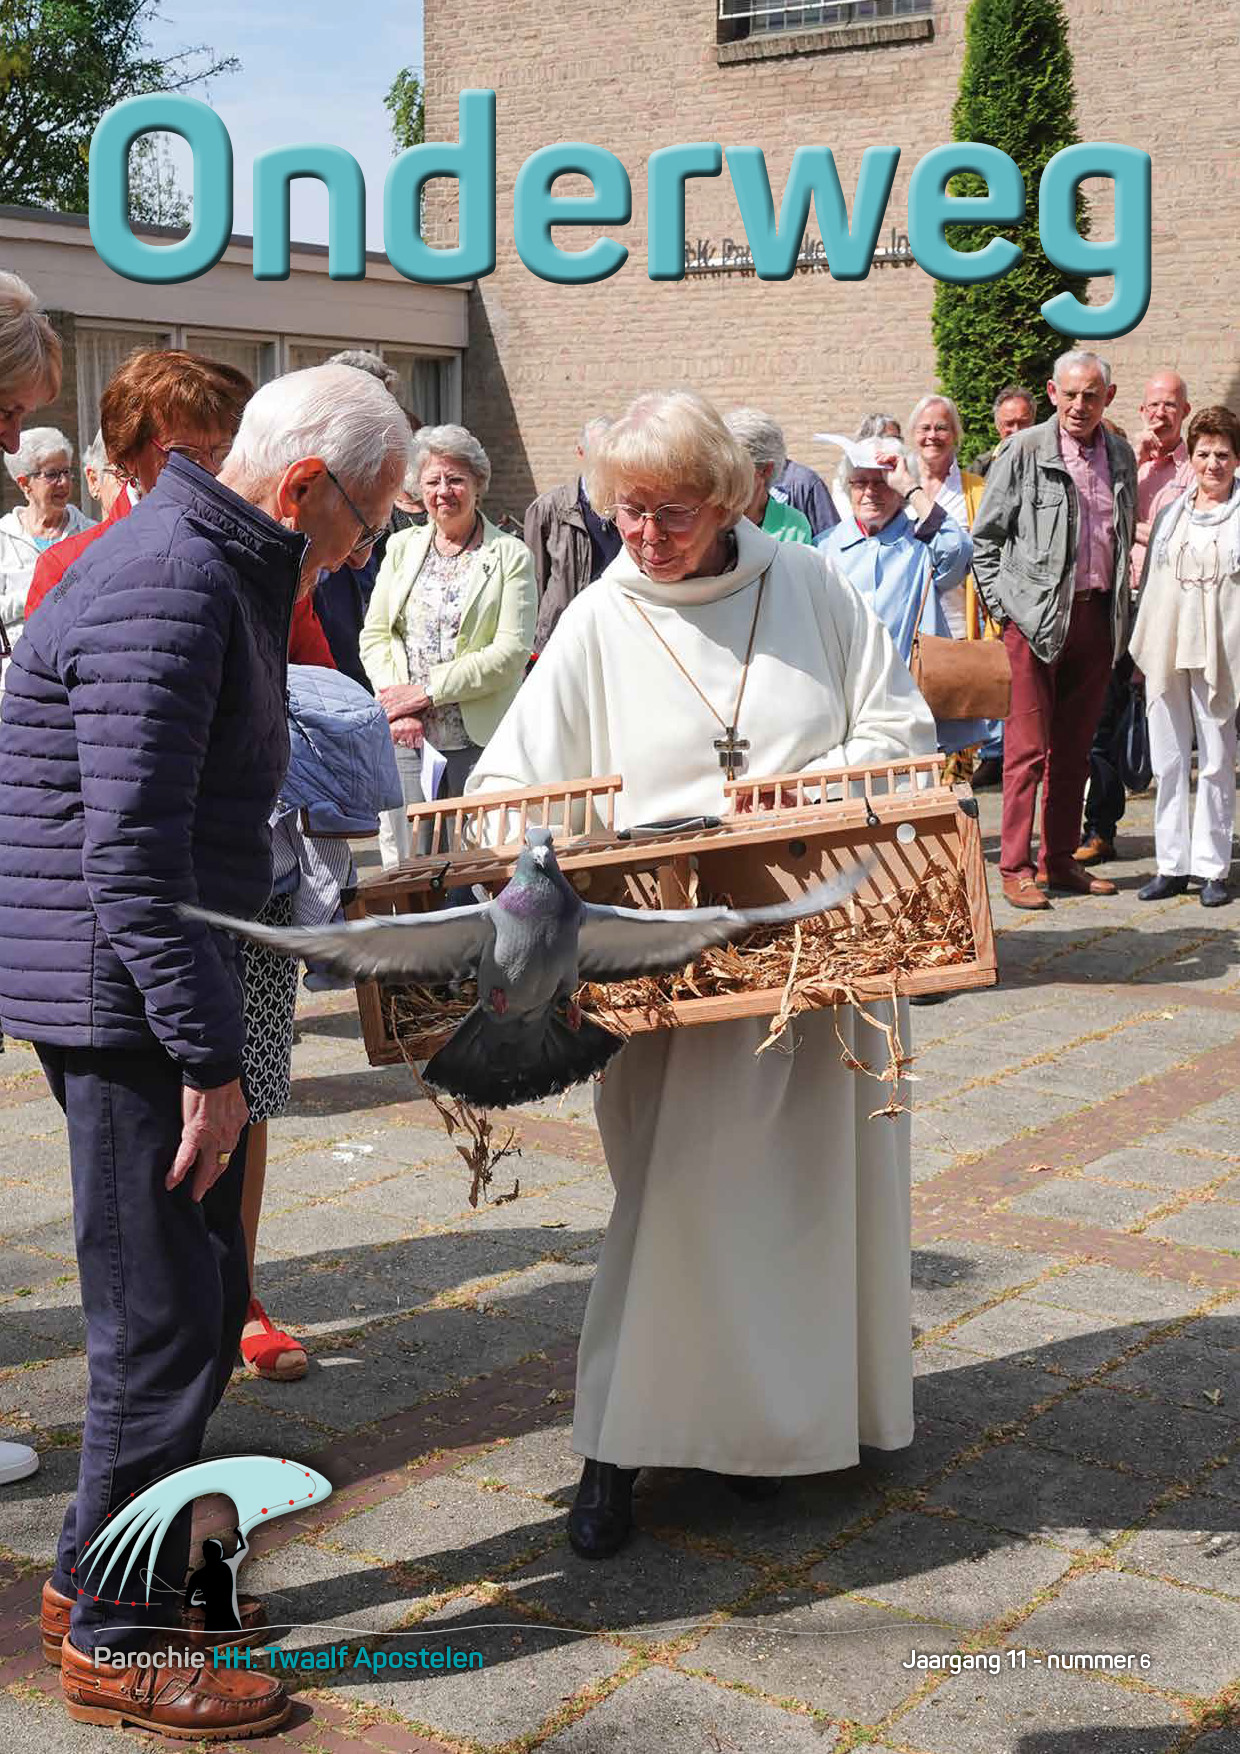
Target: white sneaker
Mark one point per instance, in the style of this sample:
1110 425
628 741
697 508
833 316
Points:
16 1461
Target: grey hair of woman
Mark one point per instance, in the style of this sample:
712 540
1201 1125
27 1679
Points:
29 346
953 413
342 416
456 443
362 360
38 443
872 426
761 436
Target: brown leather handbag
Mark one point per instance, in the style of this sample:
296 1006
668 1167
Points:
960 678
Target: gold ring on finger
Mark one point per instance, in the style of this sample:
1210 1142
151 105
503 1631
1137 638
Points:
223 1157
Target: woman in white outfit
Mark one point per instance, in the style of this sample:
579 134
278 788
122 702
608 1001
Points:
1187 643
751 1310
42 468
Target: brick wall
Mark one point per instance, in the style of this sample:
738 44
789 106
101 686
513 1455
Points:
62 412
816 352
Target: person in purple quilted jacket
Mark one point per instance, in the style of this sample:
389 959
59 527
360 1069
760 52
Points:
143 741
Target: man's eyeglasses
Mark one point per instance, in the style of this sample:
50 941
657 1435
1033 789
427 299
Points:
51 475
369 535
676 520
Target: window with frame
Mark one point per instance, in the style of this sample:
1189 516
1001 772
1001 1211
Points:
306 353
252 354
745 18
426 382
98 352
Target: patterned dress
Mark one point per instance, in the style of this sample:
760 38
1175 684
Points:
432 623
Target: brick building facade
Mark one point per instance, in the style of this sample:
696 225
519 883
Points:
262 327
815 352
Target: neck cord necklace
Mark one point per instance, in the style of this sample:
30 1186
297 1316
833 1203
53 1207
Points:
730 747
467 544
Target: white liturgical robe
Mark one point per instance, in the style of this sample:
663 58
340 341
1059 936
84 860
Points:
751 1309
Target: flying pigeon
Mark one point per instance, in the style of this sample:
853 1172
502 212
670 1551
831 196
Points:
531 947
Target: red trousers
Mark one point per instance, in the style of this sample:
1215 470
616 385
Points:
1046 738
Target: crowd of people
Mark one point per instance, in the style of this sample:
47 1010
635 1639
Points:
295 619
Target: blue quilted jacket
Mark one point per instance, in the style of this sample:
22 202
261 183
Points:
142 744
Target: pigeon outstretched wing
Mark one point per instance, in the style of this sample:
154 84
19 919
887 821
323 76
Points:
618 942
442 945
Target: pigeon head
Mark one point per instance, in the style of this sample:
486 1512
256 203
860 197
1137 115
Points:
541 846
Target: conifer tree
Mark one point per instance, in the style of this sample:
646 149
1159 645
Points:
1017 93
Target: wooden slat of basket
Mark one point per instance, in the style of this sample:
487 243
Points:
890 772
973 864
476 808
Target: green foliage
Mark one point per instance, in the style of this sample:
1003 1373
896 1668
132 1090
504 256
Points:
1016 93
63 65
155 194
406 105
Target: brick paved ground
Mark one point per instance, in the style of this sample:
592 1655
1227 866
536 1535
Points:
1074 1485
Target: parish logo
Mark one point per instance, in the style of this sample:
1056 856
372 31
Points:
118 1563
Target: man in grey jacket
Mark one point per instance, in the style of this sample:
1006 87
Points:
1051 545
572 546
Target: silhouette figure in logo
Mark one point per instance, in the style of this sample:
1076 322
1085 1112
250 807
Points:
213 1587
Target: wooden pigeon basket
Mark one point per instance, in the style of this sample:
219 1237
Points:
920 834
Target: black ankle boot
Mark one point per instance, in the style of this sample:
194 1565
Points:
1160 887
601 1519
754 1488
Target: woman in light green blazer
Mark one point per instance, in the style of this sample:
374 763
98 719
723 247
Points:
450 626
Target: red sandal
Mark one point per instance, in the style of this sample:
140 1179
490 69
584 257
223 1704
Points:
264 1353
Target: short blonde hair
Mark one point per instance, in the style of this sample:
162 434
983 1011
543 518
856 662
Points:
29 346
677 437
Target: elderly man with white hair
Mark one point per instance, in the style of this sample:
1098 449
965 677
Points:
42 467
145 716
763 438
1051 545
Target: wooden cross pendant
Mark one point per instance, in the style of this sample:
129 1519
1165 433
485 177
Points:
731 751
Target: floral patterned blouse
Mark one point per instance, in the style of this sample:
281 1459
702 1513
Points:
432 621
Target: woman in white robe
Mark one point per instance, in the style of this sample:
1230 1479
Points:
751 1310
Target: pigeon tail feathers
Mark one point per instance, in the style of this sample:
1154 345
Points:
494 1068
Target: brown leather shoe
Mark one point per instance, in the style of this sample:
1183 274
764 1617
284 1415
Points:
1072 880
54 1611
1023 892
172 1696
1095 851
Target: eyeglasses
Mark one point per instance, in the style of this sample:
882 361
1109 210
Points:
676 520
370 535
50 475
208 457
1197 572
938 427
